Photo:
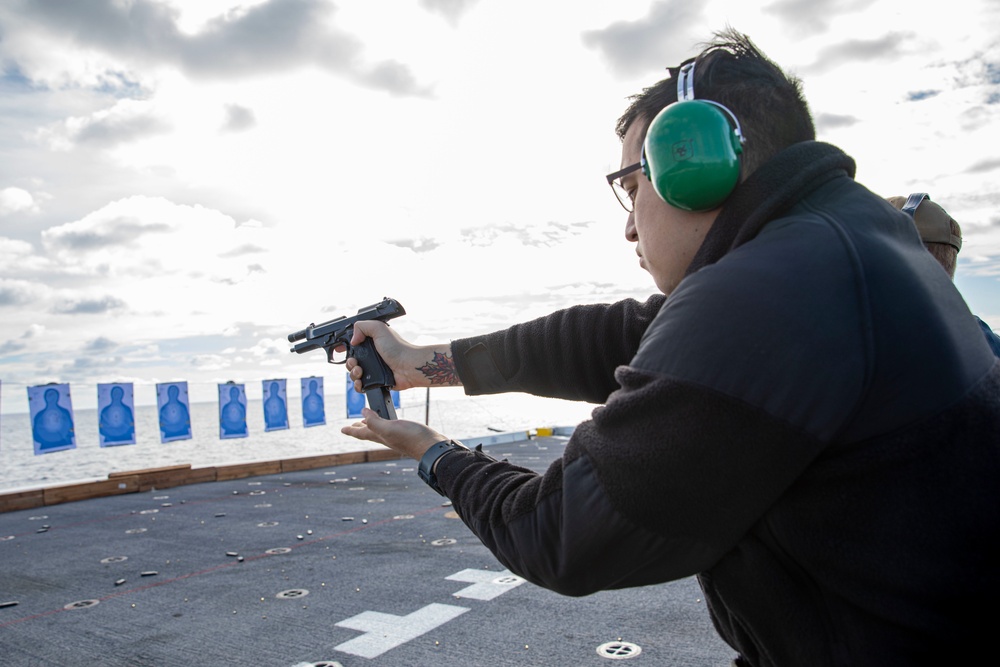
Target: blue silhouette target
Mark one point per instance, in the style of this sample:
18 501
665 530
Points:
232 410
175 411
275 405
313 406
116 414
51 412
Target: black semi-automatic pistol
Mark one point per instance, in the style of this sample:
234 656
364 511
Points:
378 378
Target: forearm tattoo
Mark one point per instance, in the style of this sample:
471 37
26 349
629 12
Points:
440 371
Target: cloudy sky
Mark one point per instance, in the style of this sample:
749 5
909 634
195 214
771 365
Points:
184 182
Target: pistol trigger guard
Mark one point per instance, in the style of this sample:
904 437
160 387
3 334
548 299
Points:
329 357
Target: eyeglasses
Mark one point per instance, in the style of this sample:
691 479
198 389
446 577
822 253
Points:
621 194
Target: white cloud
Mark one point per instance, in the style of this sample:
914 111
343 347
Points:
86 39
125 122
20 292
148 237
14 199
269 347
238 118
210 362
14 252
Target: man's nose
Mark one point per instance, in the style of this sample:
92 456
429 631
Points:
630 233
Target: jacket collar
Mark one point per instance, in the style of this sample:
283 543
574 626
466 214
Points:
772 189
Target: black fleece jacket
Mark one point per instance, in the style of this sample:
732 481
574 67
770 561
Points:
810 423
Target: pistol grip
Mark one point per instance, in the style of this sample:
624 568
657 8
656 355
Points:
376 372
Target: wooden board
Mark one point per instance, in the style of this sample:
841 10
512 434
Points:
347 458
148 471
22 500
383 455
73 492
311 462
166 479
242 470
147 479
200 476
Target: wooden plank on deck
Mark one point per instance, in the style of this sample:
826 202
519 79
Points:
22 500
241 470
72 492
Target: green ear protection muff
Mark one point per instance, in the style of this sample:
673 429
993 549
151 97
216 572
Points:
691 151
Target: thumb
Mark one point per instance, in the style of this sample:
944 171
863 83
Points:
375 424
365 329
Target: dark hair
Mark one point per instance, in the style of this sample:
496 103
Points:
732 71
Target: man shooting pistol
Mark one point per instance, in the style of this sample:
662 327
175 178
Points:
335 336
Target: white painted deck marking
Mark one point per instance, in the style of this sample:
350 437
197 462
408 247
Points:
387 631
486 585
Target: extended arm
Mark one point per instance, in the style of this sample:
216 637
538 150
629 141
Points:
570 354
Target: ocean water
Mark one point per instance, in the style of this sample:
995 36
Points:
450 412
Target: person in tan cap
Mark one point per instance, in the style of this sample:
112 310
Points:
942 237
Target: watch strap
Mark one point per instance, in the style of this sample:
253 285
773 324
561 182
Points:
426 467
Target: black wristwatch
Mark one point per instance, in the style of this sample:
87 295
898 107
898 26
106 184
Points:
431 456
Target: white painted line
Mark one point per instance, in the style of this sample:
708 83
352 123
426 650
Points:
486 585
387 631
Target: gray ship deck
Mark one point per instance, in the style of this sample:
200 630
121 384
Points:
354 565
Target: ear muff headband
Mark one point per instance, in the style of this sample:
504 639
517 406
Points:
691 150
685 81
